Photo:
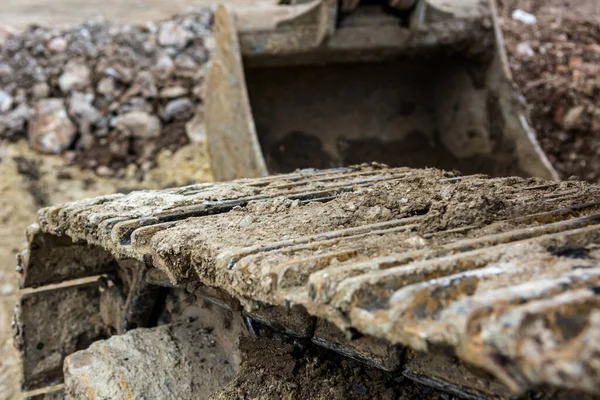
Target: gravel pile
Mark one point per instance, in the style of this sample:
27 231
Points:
106 95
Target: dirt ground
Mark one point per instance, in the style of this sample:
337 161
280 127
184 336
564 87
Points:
290 372
60 13
29 181
555 62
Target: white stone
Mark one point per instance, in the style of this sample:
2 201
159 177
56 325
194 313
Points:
81 105
246 221
15 119
81 108
7 289
173 92
164 66
195 128
524 17
173 34
40 90
574 118
57 45
177 106
6 101
76 76
106 86
139 124
524 49
103 170
50 129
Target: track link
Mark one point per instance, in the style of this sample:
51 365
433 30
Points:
502 273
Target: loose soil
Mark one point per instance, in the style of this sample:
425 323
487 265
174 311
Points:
294 372
560 78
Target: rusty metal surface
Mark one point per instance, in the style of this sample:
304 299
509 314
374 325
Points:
314 31
233 144
285 29
503 273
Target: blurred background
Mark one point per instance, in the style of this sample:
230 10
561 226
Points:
46 48
62 13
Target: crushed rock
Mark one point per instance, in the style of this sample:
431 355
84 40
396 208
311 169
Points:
173 34
50 129
5 101
195 128
177 107
101 71
76 76
139 124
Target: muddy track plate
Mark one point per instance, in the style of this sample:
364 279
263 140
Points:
503 273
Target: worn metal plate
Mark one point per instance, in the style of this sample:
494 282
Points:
234 148
52 259
50 325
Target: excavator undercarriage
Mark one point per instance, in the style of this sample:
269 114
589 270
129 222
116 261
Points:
402 269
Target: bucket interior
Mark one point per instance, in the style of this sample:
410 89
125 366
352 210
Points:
434 112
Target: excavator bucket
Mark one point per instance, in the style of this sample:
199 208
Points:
322 84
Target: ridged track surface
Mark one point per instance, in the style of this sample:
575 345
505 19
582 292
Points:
504 273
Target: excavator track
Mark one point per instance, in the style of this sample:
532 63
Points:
406 270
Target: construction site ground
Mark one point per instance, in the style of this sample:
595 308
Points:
555 62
